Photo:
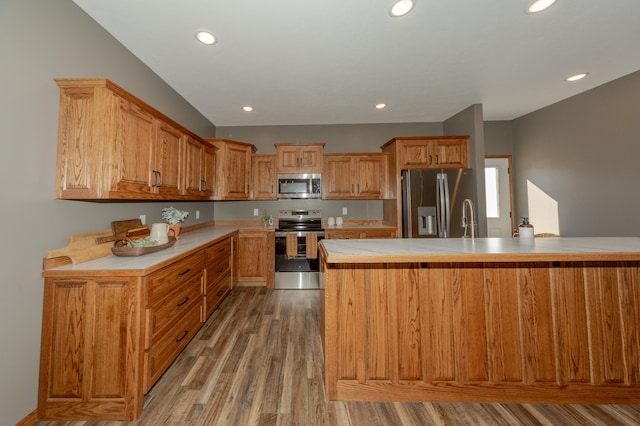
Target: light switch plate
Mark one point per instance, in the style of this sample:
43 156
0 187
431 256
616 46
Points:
143 218
344 211
256 212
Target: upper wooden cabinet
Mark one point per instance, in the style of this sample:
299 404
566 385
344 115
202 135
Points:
233 169
263 177
430 152
355 176
112 145
200 167
299 157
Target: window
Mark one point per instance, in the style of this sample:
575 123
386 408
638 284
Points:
491 189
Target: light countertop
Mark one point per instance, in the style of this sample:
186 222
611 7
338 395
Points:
141 265
480 250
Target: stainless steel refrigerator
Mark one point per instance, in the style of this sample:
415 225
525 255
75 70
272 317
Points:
432 202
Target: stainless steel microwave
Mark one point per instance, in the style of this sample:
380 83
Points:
299 185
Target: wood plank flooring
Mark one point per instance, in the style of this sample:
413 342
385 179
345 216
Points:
258 361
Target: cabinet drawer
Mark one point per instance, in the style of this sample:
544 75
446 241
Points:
174 306
164 351
216 291
166 280
219 250
217 269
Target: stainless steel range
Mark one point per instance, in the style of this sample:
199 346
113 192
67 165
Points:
297 265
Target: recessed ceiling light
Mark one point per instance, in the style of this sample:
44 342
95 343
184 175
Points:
577 76
540 5
381 106
205 37
401 7
247 108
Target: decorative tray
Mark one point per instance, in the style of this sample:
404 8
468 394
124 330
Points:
139 251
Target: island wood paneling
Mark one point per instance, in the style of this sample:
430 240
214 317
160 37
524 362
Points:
484 332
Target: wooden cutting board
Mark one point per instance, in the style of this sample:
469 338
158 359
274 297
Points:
120 227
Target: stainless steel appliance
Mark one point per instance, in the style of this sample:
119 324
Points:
299 185
432 202
298 271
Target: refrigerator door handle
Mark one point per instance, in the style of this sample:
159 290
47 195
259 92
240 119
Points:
440 205
447 206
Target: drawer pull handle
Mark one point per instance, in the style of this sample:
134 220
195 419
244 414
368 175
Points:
186 299
220 269
221 249
220 293
184 272
183 336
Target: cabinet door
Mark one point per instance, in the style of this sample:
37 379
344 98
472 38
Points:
371 173
287 160
76 171
338 178
310 158
451 153
414 154
135 144
208 171
91 347
167 159
194 156
238 163
263 170
256 259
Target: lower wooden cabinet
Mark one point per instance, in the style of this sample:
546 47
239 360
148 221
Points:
256 256
108 335
217 275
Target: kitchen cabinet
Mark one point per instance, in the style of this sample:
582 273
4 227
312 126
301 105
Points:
299 157
218 280
233 169
359 232
200 168
430 152
256 257
263 177
108 335
112 145
355 176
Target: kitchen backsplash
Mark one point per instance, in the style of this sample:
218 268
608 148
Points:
243 210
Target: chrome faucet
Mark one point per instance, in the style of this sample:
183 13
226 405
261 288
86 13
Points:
467 204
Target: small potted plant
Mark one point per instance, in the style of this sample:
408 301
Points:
267 219
174 218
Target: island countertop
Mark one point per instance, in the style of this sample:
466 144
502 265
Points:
481 250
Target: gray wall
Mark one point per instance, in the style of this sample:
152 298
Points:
337 138
584 153
41 40
470 122
498 138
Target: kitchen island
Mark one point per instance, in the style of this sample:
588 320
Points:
553 320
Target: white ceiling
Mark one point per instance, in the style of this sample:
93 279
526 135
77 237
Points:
330 61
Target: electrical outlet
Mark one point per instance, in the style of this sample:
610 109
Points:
143 218
197 214
256 212
345 211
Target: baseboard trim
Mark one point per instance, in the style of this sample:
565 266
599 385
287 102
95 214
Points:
30 419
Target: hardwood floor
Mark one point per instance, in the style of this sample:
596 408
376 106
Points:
258 361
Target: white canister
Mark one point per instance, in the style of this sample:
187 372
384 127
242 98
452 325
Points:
331 221
339 221
525 230
160 232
